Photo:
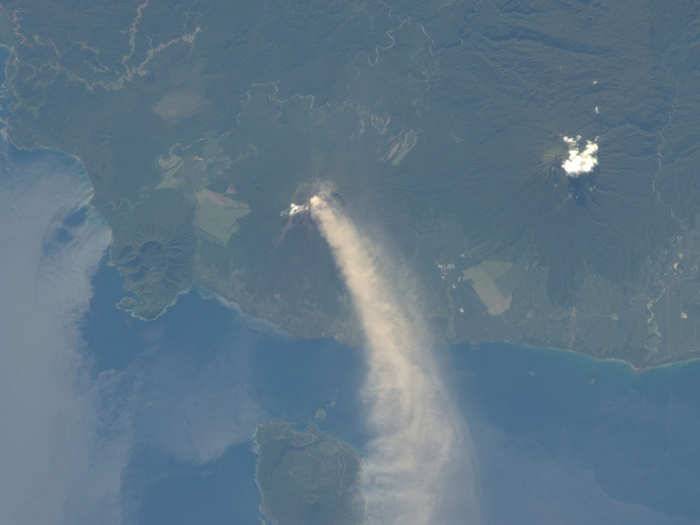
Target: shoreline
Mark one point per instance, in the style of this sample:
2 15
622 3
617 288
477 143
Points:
270 327
257 322
601 360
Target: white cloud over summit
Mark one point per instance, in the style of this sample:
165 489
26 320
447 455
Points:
295 209
580 161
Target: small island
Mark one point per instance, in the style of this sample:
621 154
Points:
306 477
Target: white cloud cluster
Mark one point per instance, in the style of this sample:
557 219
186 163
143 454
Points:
59 466
297 208
580 161
420 440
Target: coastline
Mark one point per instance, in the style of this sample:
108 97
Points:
269 326
600 360
261 323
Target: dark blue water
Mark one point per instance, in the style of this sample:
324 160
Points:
636 434
164 491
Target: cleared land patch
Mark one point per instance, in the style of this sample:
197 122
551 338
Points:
483 277
216 215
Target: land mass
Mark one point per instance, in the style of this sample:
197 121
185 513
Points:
306 477
440 127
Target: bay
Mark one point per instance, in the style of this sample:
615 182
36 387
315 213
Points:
619 440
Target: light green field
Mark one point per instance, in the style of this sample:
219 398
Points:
483 278
217 215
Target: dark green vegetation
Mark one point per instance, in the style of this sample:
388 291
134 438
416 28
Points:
306 477
439 123
156 254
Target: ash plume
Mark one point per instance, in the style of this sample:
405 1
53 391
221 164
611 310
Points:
420 459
